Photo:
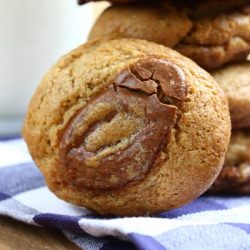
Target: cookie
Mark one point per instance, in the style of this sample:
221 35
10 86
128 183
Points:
235 81
211 38
152 22
235 175
111 1
217 40
202 8
127 127
199 5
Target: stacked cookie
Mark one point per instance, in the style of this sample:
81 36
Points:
235 176
214 34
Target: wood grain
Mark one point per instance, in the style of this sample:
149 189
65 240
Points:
17 235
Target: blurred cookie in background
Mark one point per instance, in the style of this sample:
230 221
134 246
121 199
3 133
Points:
235 81
218 39
211 38
162 23
235 175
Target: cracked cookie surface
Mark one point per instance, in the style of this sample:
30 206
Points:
107 110
116 138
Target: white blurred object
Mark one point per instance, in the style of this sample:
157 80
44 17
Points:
34 34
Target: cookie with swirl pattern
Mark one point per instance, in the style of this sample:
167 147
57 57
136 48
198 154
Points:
127 127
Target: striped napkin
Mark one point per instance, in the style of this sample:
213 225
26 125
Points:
207 223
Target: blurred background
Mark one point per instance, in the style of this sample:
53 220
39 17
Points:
34 34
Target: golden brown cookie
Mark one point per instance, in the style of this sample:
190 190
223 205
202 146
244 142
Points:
235 175
127 127
235 81
211 38
161 23
217 40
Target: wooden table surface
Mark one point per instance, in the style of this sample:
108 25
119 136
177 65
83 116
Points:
17 235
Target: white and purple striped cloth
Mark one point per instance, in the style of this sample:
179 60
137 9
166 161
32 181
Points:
208 223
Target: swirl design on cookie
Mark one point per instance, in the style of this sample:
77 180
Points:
117 136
